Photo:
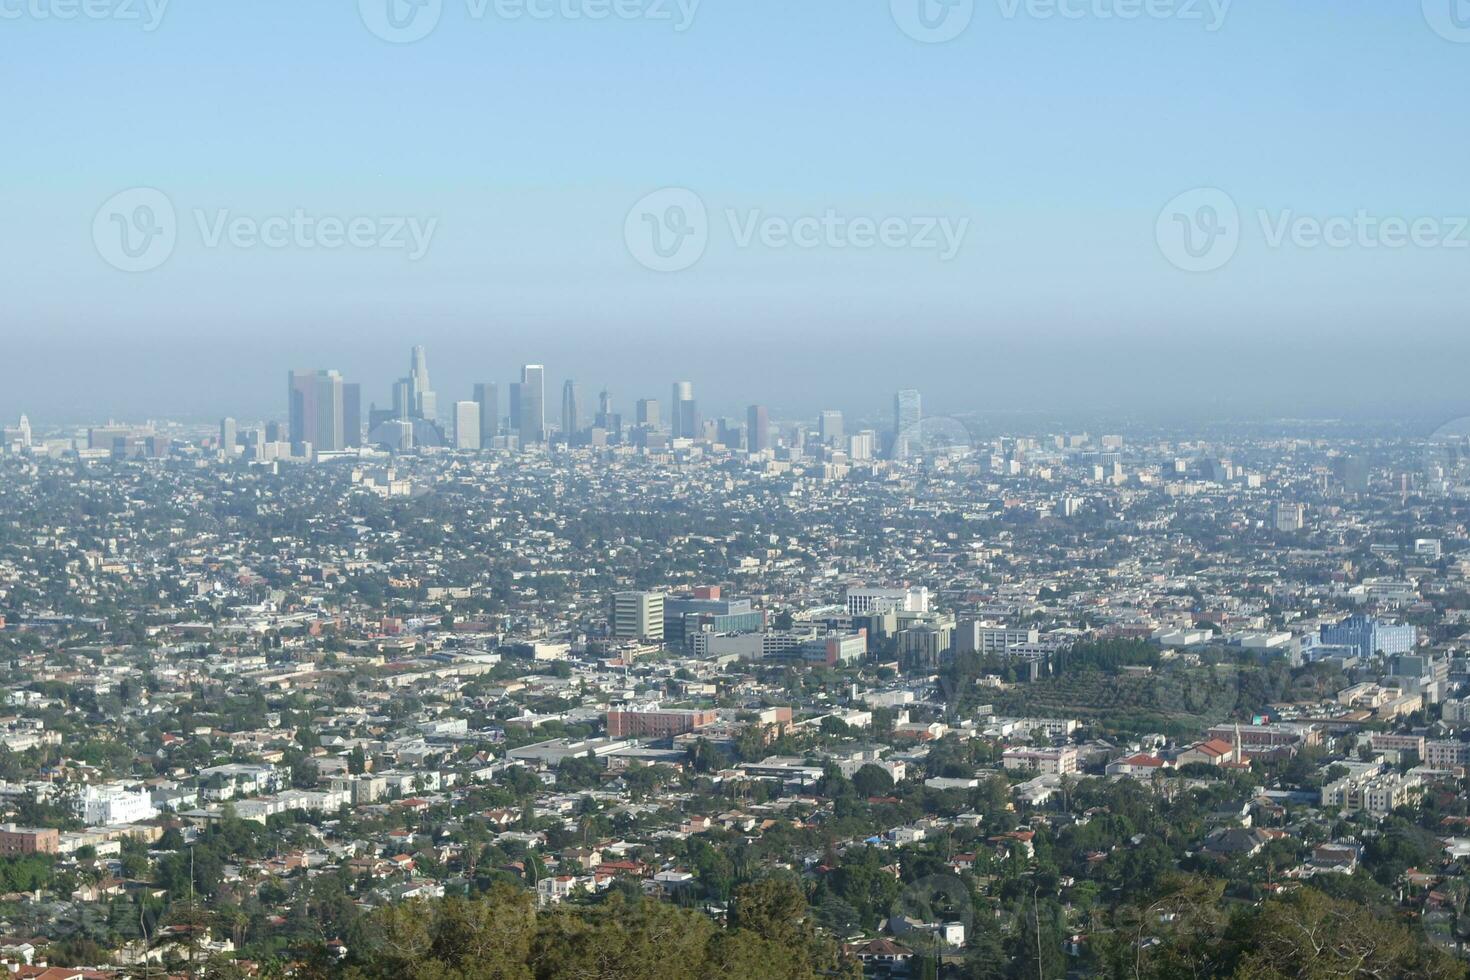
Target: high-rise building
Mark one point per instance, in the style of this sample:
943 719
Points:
683 412
757 429
648 413
402 400
571 422
1288 517
638 615
227 436
351 416
608 420
907 415
532 404
316 410
829 428
487 396
424 401
467 425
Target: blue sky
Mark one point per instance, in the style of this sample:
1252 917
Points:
527 141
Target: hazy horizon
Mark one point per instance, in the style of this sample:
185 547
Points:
1050 144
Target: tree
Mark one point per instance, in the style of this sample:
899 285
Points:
1307 934
872 780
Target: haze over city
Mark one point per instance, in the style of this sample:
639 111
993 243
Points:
1051 138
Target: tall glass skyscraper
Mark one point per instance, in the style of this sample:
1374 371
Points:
683 412
907 416
318 410
488 397
533 404
571 421
757 429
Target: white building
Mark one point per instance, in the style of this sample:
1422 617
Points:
466 425
101 806
861 602
1059 761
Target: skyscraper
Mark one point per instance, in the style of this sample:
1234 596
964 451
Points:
648 414
683 412
571 422
351 416
424 401
402 399
316 410
907 416
227 435
607 420
829 428
467 425
532 404
487 396
757 429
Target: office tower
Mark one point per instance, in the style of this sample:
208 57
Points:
727 433
829 428
757 429
227 436
638 615
907 416
570 413
352 416
1351 472
860 444
683 413
532 404
424 401
316 410
1288 517
467 425
607 420
397 435
648 413
413 397
487 396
